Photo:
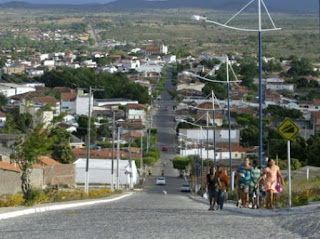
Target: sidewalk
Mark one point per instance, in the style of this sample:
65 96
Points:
10 212
231 206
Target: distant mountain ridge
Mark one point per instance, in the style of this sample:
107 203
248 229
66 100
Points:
273 5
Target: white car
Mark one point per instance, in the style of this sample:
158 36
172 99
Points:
185 188
161 181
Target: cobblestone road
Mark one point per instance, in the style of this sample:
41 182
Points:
152 214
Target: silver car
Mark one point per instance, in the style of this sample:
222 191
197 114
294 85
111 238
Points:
161 181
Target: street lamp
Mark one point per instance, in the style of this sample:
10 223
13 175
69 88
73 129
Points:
228 100
184 121
214 99
259 30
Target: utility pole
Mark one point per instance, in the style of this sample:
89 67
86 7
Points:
118 159
86 186
86 189
208 143
141 155
130 163
112 163
214 131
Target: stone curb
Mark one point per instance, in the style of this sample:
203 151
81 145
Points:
47 208
312 207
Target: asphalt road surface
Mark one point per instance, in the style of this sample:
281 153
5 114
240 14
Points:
153 214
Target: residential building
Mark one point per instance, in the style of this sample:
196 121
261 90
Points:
136 111
280 86
68 102
3 119
42 109
11 89
100 171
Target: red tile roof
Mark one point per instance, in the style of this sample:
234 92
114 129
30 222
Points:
46 99
47 161
68 96
136 106
131 135
152 48
10 167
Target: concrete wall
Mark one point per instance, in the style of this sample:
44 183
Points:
10 182
59 174
36 178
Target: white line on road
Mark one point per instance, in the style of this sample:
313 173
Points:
57 207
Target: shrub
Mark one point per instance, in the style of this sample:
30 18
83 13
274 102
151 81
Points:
300 200
36 197
295 164
149 161
104 145
12 200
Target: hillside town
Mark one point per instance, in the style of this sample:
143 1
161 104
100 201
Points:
135 118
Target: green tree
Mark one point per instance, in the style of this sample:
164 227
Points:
104 131
24 122
83 125
61 150
36 142
313 150
149 161
10 127
3 100
181 163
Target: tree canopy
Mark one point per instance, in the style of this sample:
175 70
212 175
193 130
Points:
114 85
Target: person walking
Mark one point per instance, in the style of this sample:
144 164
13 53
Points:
254 191
243 178
223 181
212 187
271 172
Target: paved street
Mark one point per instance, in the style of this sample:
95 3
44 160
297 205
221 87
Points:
153 214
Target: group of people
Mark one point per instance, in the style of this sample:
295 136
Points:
253 185
217 187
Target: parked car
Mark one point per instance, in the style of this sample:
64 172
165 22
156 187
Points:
164 148
161 181
185 188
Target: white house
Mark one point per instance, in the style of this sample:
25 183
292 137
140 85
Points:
3 119
136 111
89 64
222 135
100 171
35 72
164 49
149 68
170 59
11 89
274 80
68 102
7 91
114 101
44 57
110 69
48 62
82 104
131 64
280 86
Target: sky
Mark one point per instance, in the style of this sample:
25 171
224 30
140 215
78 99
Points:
62 1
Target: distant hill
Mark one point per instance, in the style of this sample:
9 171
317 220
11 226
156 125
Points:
298 6
275 5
